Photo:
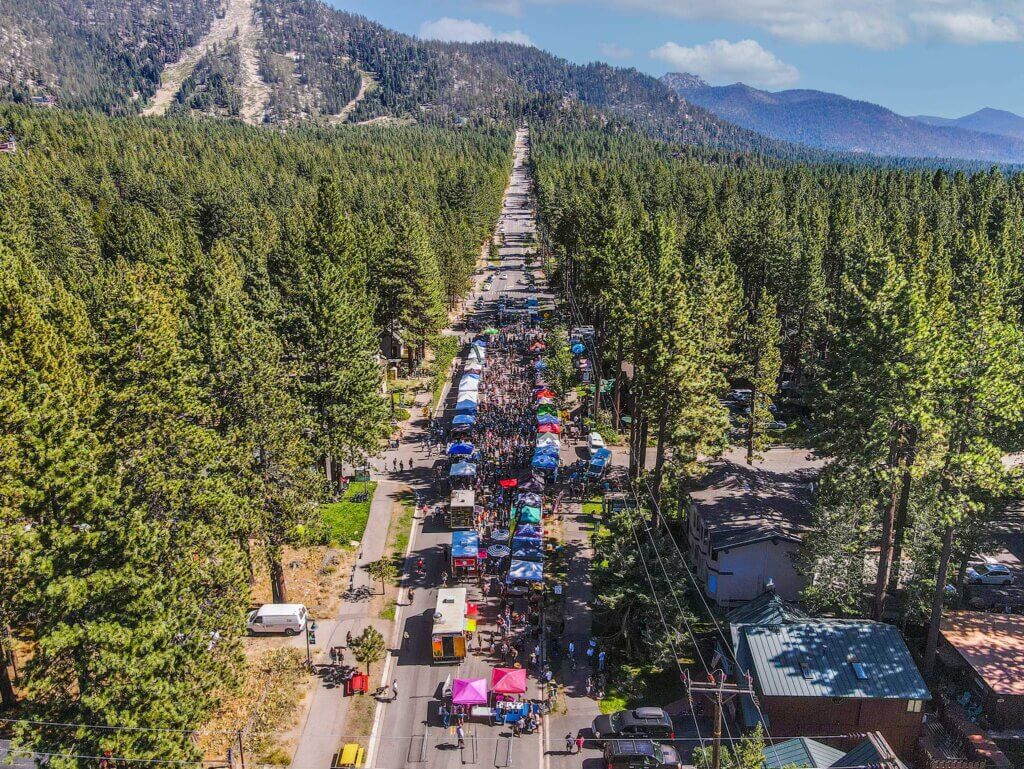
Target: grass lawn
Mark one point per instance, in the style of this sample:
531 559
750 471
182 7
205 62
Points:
401 527
346 520
593 505
612 702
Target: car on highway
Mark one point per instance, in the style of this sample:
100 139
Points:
989 574
640 754
650 723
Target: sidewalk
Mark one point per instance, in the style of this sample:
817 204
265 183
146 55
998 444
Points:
328 711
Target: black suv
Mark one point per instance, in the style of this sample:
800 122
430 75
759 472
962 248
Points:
652 723
640 754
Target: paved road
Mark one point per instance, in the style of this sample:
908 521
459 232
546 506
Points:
408 732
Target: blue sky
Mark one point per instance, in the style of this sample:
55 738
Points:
938 57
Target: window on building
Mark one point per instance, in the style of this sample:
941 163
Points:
860 671
914 706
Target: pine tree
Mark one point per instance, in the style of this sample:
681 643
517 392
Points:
762 361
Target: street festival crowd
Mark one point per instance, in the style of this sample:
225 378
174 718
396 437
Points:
503 443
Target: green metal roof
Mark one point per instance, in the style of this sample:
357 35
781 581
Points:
865 754
800 752
815 658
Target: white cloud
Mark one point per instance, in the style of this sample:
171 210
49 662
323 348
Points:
467 31
615 51
721 61
865 23
966 28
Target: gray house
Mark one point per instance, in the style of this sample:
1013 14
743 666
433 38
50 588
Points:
746 524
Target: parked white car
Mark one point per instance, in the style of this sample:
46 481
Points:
287 618
989 574
594 442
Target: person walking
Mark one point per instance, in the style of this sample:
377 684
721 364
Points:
600 661
570 743
412 592
460 735
394 689
579 742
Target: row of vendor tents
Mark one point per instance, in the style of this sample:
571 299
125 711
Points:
467 404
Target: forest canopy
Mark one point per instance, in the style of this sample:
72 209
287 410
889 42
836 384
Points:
189 332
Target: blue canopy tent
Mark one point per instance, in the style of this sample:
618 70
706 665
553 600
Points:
527 549
525 571
465 544
462 470
548 419
460 448
546 451
599 462
469 384
577 349
464 419
528 531
466 406
544 462
529 498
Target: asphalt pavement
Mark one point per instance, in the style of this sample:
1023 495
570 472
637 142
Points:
408 731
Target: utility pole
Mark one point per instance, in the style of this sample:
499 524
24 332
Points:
721 691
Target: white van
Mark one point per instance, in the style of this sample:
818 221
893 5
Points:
287 618
595 442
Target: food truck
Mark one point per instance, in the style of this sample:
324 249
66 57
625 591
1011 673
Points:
465 555
460 509
448 638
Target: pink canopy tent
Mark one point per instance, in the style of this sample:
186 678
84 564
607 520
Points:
508 681
556 429
469 691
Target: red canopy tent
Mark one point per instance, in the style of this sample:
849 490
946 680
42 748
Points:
556 429
509 483
508 681
545 393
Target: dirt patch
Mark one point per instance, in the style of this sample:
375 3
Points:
262 712
366 84
239 21
315 576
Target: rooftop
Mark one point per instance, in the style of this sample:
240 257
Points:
992 644
800 752
740 503
832 658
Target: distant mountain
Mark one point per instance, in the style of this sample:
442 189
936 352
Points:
987 120
831 122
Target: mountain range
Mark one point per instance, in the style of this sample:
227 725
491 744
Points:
288 62
835 123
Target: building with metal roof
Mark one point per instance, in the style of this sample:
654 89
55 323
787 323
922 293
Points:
805 753
800 753
825 676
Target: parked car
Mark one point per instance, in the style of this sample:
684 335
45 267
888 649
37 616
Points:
594 442
989 574
287 618
777 424
651 723
640 754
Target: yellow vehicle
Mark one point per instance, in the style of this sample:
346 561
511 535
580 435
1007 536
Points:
448 641
350 756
